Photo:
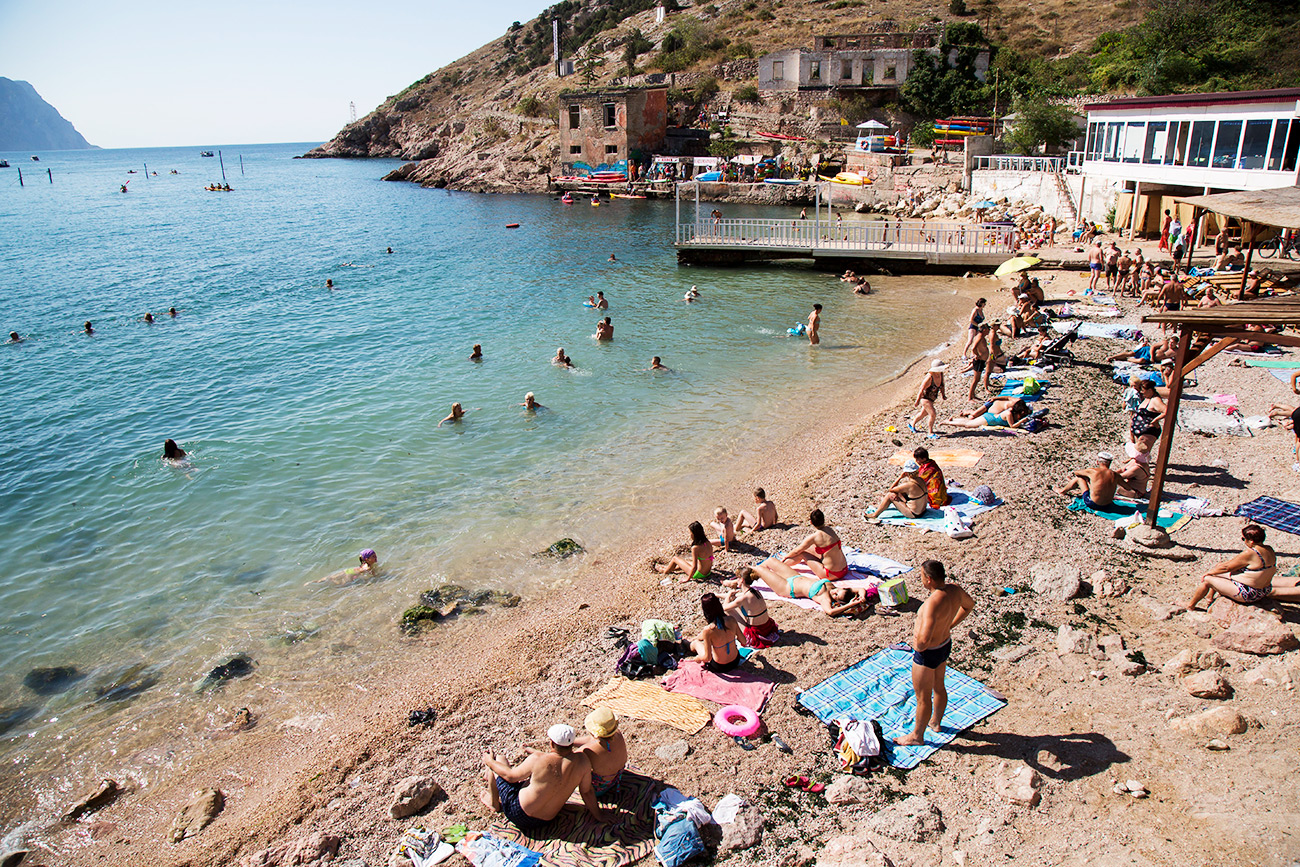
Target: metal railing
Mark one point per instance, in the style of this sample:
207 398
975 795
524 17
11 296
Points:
893 236
1019 164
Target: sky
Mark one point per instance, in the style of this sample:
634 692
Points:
148 73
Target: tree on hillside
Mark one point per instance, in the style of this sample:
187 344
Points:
635 46
1041 123
588 64
935 89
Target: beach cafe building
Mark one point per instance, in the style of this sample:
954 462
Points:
1142 152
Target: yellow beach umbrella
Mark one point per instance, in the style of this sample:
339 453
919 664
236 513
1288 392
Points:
1020 263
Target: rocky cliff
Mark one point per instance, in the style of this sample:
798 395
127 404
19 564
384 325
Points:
29 123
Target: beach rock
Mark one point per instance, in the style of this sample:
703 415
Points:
1217 745
1159 610
239 665
1108 586
1013 653
311 851
51 681
743 832
108 792
412 795
1126 666
851 852
1186 662
14 857
1270 674
11 717
197 814
1257 636
1111 644
563 549
1019 786
848 789
1058 581
441 597
1070 640
128 683
417 617
1218 722
912 820
1207 684
1149 537
1228 613
674 751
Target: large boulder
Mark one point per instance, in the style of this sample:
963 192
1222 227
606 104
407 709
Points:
1070 640
1228 612
848 789
1217 722
1058 581
1207 684
412 795
1186 662
1259 636
912 820
197 814
311 851
743 832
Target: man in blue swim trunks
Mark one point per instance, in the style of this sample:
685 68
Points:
531 794
947 606
1095 484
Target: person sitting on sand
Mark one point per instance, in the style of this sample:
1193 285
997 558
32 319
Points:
605 748
1095 484
172 452
700 566
936 487
718 644
1040 345
530 403
764 513
1246 578
932 389
821 550
532 794
1135 474
454 416
784 581
723 528
946 606
749 607
1012 417
477 354
907 494
604 329
561 359
369 566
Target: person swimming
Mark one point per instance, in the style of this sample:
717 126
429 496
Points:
656 364
561 359
477 354
88 328
369 566
172 451
455 415
530 403
171 311
148 317
329 283
14 338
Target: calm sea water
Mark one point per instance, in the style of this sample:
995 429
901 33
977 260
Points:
311 416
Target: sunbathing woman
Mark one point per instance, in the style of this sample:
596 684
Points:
1011 417
907 494
994 405
750 608
827 554
1246 578
700 566
786 582
718 644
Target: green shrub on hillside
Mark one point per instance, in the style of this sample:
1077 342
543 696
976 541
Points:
922 135
1040 123
746 93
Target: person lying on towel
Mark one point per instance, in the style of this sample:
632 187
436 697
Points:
784 581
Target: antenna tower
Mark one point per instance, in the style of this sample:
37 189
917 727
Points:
352 110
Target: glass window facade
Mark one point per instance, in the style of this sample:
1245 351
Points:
1254 146
1154 150
1259 144
1132 149
1198 149
1226 144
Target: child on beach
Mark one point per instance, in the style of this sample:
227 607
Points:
764 513
931 390
724 527
369 566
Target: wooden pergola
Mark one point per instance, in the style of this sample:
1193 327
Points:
1223 325
1256 209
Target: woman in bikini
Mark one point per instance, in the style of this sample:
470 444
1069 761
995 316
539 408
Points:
907 494
785 582
822 550
1246 578
750 608
973 326
718 644
1012 417
931 390
700 566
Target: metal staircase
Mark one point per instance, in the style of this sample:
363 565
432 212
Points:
1063 193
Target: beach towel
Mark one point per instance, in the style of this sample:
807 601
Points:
574 839
880 688
745 688
872 564
1272 512
1211 421
1097 329
1265 352
643 699
935 520
1291 363
490 850
866 570
1121 510
1225 399
1016 389
946 458
1284 374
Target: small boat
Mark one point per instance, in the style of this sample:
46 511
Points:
35 158
512 225
785 182
566 199
219 189
4 164
206 154
852 178
709 177
624 196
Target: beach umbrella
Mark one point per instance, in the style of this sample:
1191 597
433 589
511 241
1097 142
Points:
1020 263
872 124
985 204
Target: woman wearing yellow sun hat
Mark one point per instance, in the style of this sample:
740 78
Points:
605 748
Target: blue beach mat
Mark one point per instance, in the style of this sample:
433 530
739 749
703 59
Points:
1283 374
1015 389
1119 509
880 688
1278 514
933 519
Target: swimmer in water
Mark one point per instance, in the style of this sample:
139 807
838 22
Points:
88 328
695 293
14 338
611 258
530 403
477 354
656 364
173 452
601 303
456 414
369 566
329 283
390 251
561 359
171 311
148 317
604 329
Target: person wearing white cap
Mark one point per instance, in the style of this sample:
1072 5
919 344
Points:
605 748
931 390
532 793
1095 484
907 494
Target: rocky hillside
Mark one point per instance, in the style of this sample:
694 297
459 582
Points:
29 123
487 122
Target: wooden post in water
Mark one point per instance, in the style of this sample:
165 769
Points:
50 172
20 178
223 165
241 165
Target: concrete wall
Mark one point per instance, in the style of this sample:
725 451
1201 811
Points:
1100 194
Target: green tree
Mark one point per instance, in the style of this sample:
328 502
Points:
1041 123
588 64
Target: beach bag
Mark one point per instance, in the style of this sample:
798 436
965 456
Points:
893 593
679 844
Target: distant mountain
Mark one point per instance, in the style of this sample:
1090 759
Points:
29 123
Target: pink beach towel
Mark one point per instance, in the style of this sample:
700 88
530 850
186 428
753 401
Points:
744 688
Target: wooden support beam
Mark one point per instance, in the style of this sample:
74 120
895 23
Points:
1246 227
1171 420
1209 353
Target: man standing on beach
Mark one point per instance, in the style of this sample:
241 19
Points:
814 322
532 794
947 606
1094 265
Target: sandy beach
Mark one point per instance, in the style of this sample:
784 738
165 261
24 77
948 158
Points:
499 679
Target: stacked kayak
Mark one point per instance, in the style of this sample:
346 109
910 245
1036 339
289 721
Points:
963 126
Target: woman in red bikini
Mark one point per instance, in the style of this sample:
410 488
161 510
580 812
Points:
821 550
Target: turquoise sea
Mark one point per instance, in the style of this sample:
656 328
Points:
310 417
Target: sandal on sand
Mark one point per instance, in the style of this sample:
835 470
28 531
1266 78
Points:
743 743
793 782
815 789
781 745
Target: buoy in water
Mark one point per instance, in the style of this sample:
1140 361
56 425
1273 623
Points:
512 225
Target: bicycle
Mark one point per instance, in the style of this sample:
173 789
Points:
1287 246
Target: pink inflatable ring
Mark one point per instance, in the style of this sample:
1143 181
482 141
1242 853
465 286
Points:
736 721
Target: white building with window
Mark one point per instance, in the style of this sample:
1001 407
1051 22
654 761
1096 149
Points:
1149 149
